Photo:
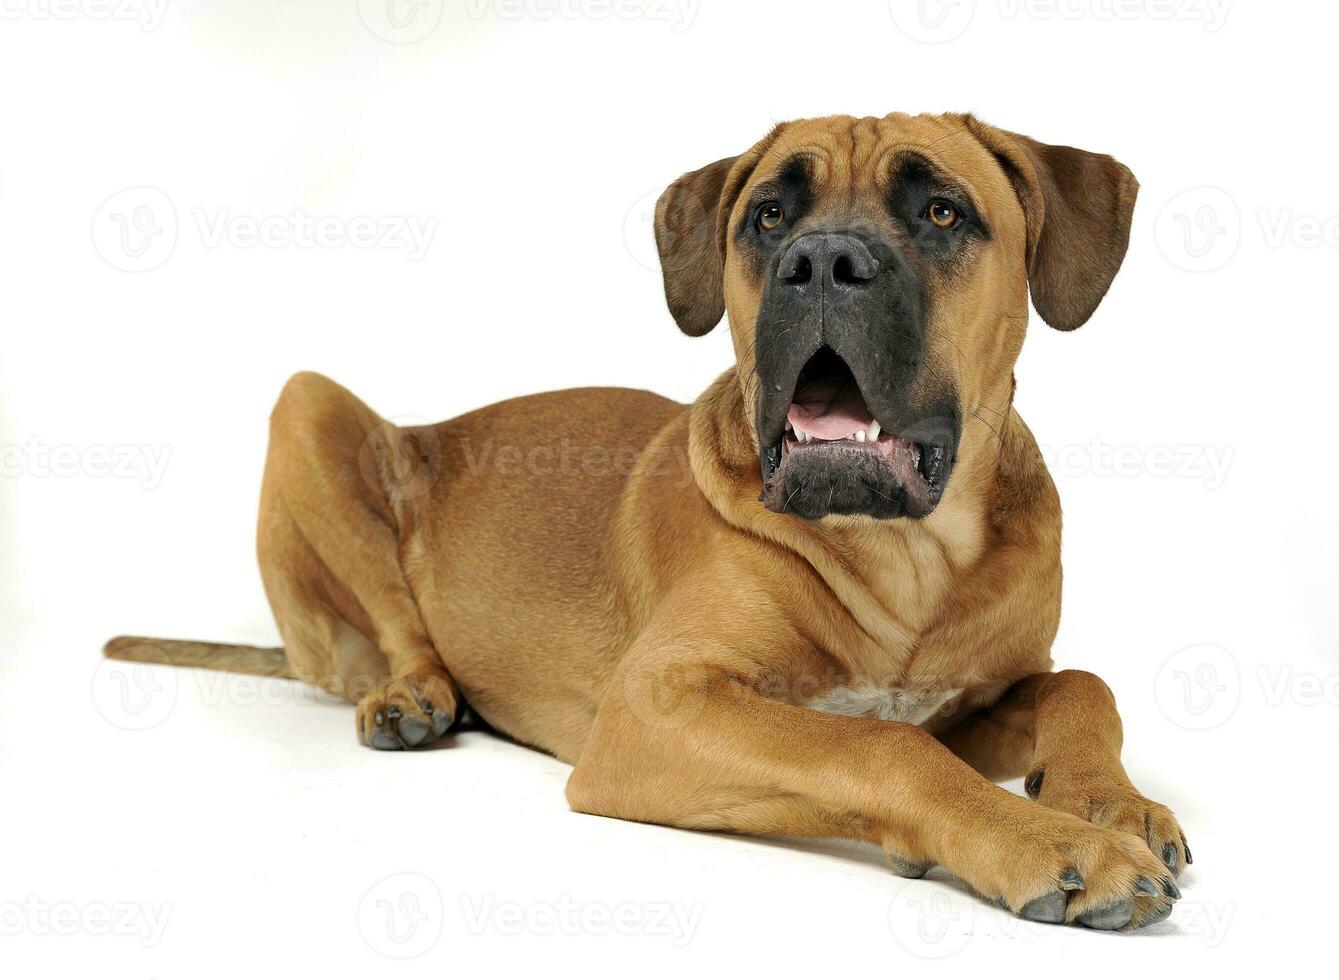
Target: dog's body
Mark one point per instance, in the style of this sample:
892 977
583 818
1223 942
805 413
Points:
533 592
734 615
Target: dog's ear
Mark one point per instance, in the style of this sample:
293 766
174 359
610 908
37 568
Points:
1078 207
691 220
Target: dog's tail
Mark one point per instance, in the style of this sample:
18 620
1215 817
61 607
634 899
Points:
258 661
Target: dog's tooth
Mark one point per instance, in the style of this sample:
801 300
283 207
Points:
873 433
858 435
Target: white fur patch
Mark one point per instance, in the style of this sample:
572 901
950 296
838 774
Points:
887 703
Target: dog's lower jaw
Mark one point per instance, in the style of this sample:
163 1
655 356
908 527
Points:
890 479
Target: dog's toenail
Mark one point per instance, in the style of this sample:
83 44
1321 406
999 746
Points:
1169 888
1032 785
380 717
1072 881
1145 886
1169 855
393 712
1186 848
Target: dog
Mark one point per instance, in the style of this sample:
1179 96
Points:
817 602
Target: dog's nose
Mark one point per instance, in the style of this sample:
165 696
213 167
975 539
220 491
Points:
834 259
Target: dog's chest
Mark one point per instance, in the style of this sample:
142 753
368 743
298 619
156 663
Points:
915 707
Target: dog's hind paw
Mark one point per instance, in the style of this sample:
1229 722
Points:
406 713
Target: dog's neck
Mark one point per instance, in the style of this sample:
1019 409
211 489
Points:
891 574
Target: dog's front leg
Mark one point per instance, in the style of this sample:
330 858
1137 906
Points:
1063 733
683 738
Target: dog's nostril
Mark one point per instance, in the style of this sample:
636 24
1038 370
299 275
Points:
843 272
852 270
802 272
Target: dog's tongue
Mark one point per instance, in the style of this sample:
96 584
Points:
829 409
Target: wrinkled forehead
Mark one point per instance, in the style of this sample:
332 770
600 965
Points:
843 158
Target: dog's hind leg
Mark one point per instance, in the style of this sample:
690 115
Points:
331 532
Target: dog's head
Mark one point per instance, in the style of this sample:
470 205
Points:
876 276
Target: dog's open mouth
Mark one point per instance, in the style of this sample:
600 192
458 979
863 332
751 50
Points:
835 457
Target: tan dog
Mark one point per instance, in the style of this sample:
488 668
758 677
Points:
819 600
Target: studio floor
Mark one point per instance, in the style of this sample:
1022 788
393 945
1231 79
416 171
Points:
185 823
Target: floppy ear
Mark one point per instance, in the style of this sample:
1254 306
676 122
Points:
691 260
1078 207
691 219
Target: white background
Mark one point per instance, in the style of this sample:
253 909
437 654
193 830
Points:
176 824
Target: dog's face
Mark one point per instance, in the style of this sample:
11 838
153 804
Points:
876 275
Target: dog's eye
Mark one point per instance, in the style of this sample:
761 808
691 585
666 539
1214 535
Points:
770 216
942 213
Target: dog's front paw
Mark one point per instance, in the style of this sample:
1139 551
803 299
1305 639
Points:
1109 800
406 713
1063 870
